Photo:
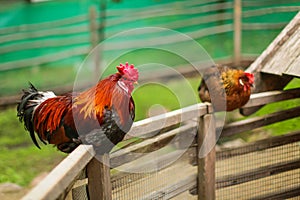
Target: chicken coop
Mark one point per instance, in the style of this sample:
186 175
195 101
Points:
268 168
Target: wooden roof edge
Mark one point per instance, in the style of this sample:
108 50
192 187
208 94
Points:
266 81
270 51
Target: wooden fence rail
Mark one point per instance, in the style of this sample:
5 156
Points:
203 181
44 35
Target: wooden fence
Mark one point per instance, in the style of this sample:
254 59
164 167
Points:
82 30
82 33
221 174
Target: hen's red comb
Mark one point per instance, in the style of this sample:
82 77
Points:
250 77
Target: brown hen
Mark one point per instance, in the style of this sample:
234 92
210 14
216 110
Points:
226 88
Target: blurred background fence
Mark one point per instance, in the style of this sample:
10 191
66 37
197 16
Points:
45 42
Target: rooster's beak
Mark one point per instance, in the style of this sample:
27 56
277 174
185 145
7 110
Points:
135 83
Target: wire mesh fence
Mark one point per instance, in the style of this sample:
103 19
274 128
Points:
260 174
161 183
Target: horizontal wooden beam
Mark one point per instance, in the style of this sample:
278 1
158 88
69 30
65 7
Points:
44 25
264 98
143 127
281 194
257 173
63 175
48 58
255 122
259 145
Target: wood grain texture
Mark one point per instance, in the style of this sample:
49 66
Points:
206 165
99 183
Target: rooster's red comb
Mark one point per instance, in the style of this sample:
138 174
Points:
128 70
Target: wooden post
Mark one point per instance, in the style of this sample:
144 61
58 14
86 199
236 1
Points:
206 165
94 42
237 20
99 183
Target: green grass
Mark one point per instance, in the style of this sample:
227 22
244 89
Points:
21 161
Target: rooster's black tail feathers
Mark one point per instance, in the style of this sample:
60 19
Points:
25 110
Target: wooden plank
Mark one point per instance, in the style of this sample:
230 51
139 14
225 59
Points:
293 68
258 173
185 70
206 165
126 44
263 26
264 98
146 14
256 122
164 40
237 23
259 145
250 3
44 33
267 54
43 25
44 58
143 127
94 42
285 55
63 175
55 42
270 10
99 183
135 151
264 81
281 194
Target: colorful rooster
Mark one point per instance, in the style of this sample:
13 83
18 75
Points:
101 115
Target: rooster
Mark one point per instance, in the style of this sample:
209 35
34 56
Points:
226 88
101 115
